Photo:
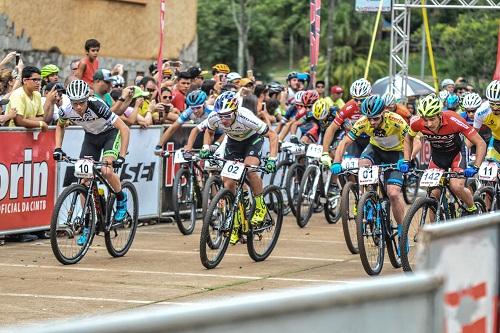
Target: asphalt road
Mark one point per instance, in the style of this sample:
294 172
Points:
163 268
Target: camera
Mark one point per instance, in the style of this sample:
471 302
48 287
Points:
18 57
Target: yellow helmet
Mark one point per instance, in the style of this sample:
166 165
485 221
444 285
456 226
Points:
222 68
429 106
321 108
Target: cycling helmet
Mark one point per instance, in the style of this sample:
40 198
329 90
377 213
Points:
452 101
222 68
168 72
304 77
321 108
471 101
49 70
196 97
291 75
493 91
429 106
443 94
78 90
447 82
226 102
361 88
336 90
298 97
117 80
389 99
275 88
309 97
233 76
372 106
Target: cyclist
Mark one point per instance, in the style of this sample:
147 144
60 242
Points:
452 102
389 143
303 119
443 131
104 131
392 106
245 134
293 87
489 114
360 90
50 73
470 103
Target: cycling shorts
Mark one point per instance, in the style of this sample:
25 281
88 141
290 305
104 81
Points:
239 150
456 161
378 156
108 142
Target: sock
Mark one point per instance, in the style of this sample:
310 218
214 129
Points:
472 208
120 196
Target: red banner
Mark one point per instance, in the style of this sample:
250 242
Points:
27 179
160 51
496 75
315 11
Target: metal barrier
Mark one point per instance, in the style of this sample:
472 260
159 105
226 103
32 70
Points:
374 305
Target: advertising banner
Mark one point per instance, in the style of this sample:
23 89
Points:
372 5
27 179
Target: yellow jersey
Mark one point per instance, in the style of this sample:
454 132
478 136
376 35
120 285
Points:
388 136
484 116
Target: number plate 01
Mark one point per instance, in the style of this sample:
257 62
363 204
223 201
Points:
368 175
84 168
232 170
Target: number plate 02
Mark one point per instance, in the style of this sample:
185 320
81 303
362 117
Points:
232 170
84 169
431 177
368 175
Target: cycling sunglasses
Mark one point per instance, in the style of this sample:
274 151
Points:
226 116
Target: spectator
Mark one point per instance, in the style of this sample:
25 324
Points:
73 66
27 102
197 78
164 111
320 88
102 86
89 64
181 88
58 98
234 78
336 96
220 71
261 94
50 73
9 115
148 84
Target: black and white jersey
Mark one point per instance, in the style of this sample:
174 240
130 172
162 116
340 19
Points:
98 117
244 125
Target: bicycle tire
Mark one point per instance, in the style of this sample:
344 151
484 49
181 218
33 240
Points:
274 201
426 204
332 208
410 193
376 234
349 222
112 235
307 180
213 182
222 244
185 225
283 167
487 194
392 240
292 185
480 204
55 232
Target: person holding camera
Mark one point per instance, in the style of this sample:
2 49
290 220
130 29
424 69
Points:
54 95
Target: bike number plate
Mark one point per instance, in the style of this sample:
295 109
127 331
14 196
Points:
350 163
232 170
179 157
293 148
314 151
431 178
84 168
368 175
488 171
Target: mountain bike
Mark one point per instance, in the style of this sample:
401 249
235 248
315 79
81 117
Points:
489 179
349 199
86 208
426 210
226 207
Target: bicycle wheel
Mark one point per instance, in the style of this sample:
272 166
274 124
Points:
216 229
278 178
307 196
262 239
67 223
421 212
391 238
349 208
332 205
212 186
411 186
183 202
480 204
487 194
119 236
292 184
370 231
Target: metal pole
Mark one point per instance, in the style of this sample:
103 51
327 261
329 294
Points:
422 60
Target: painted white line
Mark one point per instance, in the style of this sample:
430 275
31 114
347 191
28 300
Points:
92 299
238 277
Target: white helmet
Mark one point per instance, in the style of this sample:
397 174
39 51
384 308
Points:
471 101
298 96
447 82
117 80
443 94
78 90
389 99
361 88
233 76
493 91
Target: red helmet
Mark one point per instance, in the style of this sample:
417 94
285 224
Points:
309 97
336 90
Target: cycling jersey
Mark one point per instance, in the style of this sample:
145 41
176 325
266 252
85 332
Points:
244 125
388 136
485 116
188 115
97 118
484 131
403 112
348 114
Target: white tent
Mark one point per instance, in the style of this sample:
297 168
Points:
414 87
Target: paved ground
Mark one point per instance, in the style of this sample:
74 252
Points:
163 268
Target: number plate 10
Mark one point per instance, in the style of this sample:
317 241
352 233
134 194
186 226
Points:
84 169
431 177
368 175
232 170
488 171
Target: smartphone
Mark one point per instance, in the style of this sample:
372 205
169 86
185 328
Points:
250 74
18 57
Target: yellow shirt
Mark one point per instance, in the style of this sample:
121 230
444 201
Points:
339 103
484 116
25 106
389 136
144 108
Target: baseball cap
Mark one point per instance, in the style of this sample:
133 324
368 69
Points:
138 92
245 81
4 101
233 76
103 75
336 90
